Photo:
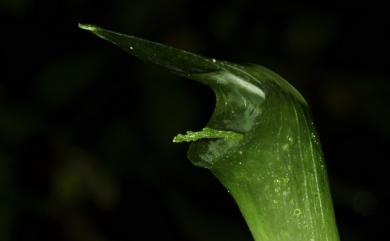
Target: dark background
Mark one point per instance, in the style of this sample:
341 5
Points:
86 130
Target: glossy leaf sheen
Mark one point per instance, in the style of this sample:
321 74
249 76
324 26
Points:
272 162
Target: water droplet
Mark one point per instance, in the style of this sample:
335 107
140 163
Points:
131 48
314 138
214 60
240 163
285 147
240 152
297 212
286 179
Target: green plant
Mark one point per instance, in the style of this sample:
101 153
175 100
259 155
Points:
260 142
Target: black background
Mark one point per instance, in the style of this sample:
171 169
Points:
86 130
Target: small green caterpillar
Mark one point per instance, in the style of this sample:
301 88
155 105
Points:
260 142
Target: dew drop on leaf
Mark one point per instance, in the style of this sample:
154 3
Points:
297 212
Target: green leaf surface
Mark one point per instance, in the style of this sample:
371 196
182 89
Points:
260 142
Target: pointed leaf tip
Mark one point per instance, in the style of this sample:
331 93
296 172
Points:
178 61
88 27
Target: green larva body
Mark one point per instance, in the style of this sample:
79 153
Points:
260 143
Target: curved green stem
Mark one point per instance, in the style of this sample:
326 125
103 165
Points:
260 142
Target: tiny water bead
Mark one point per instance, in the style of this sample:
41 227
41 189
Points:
297 212
314 138
286 179
277 184
131 48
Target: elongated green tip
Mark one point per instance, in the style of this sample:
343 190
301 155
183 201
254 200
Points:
176 60
88 27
